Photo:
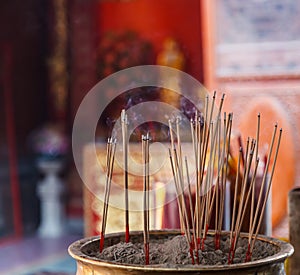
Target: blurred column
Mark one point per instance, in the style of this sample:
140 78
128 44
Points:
51 190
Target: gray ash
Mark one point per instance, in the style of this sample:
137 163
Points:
174 251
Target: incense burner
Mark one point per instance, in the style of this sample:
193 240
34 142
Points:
89 265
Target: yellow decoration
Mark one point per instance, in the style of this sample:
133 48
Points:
171 56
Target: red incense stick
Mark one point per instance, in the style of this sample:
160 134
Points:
124 123
146 202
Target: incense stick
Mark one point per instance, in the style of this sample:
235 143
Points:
263 180
146 204
242 203
173 147
195 216
189 191
178 180
213 128
253 190
171 134
111 149
233 216
225 167
196 139
194 240
238 230
217 188
124 123
249 254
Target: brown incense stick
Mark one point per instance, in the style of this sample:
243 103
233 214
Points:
209 134
175 177
173 148
146 204
111 149
195 216
179 141
257 135
193 245
242 204
179 162
241 146
171 134
202 137
178 180
189 191
253 190
249 255
210 194
225 168
207 191
217 188
223 176
214 183
263 181
180 188
198 158
238 230
233 216
124 123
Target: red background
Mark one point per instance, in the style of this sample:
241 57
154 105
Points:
156 20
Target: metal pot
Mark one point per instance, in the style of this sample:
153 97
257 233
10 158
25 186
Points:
89 266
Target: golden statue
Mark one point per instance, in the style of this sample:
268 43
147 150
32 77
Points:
171 56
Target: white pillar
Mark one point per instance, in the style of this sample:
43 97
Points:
50 191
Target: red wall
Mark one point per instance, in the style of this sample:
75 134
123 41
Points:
156 19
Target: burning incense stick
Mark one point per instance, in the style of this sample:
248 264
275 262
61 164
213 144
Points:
179 141
171 134
124 123
146 206
242 148
111 149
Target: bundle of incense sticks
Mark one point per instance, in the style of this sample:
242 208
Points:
211 146
110 157
211 141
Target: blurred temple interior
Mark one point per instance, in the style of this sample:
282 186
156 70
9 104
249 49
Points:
53 52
